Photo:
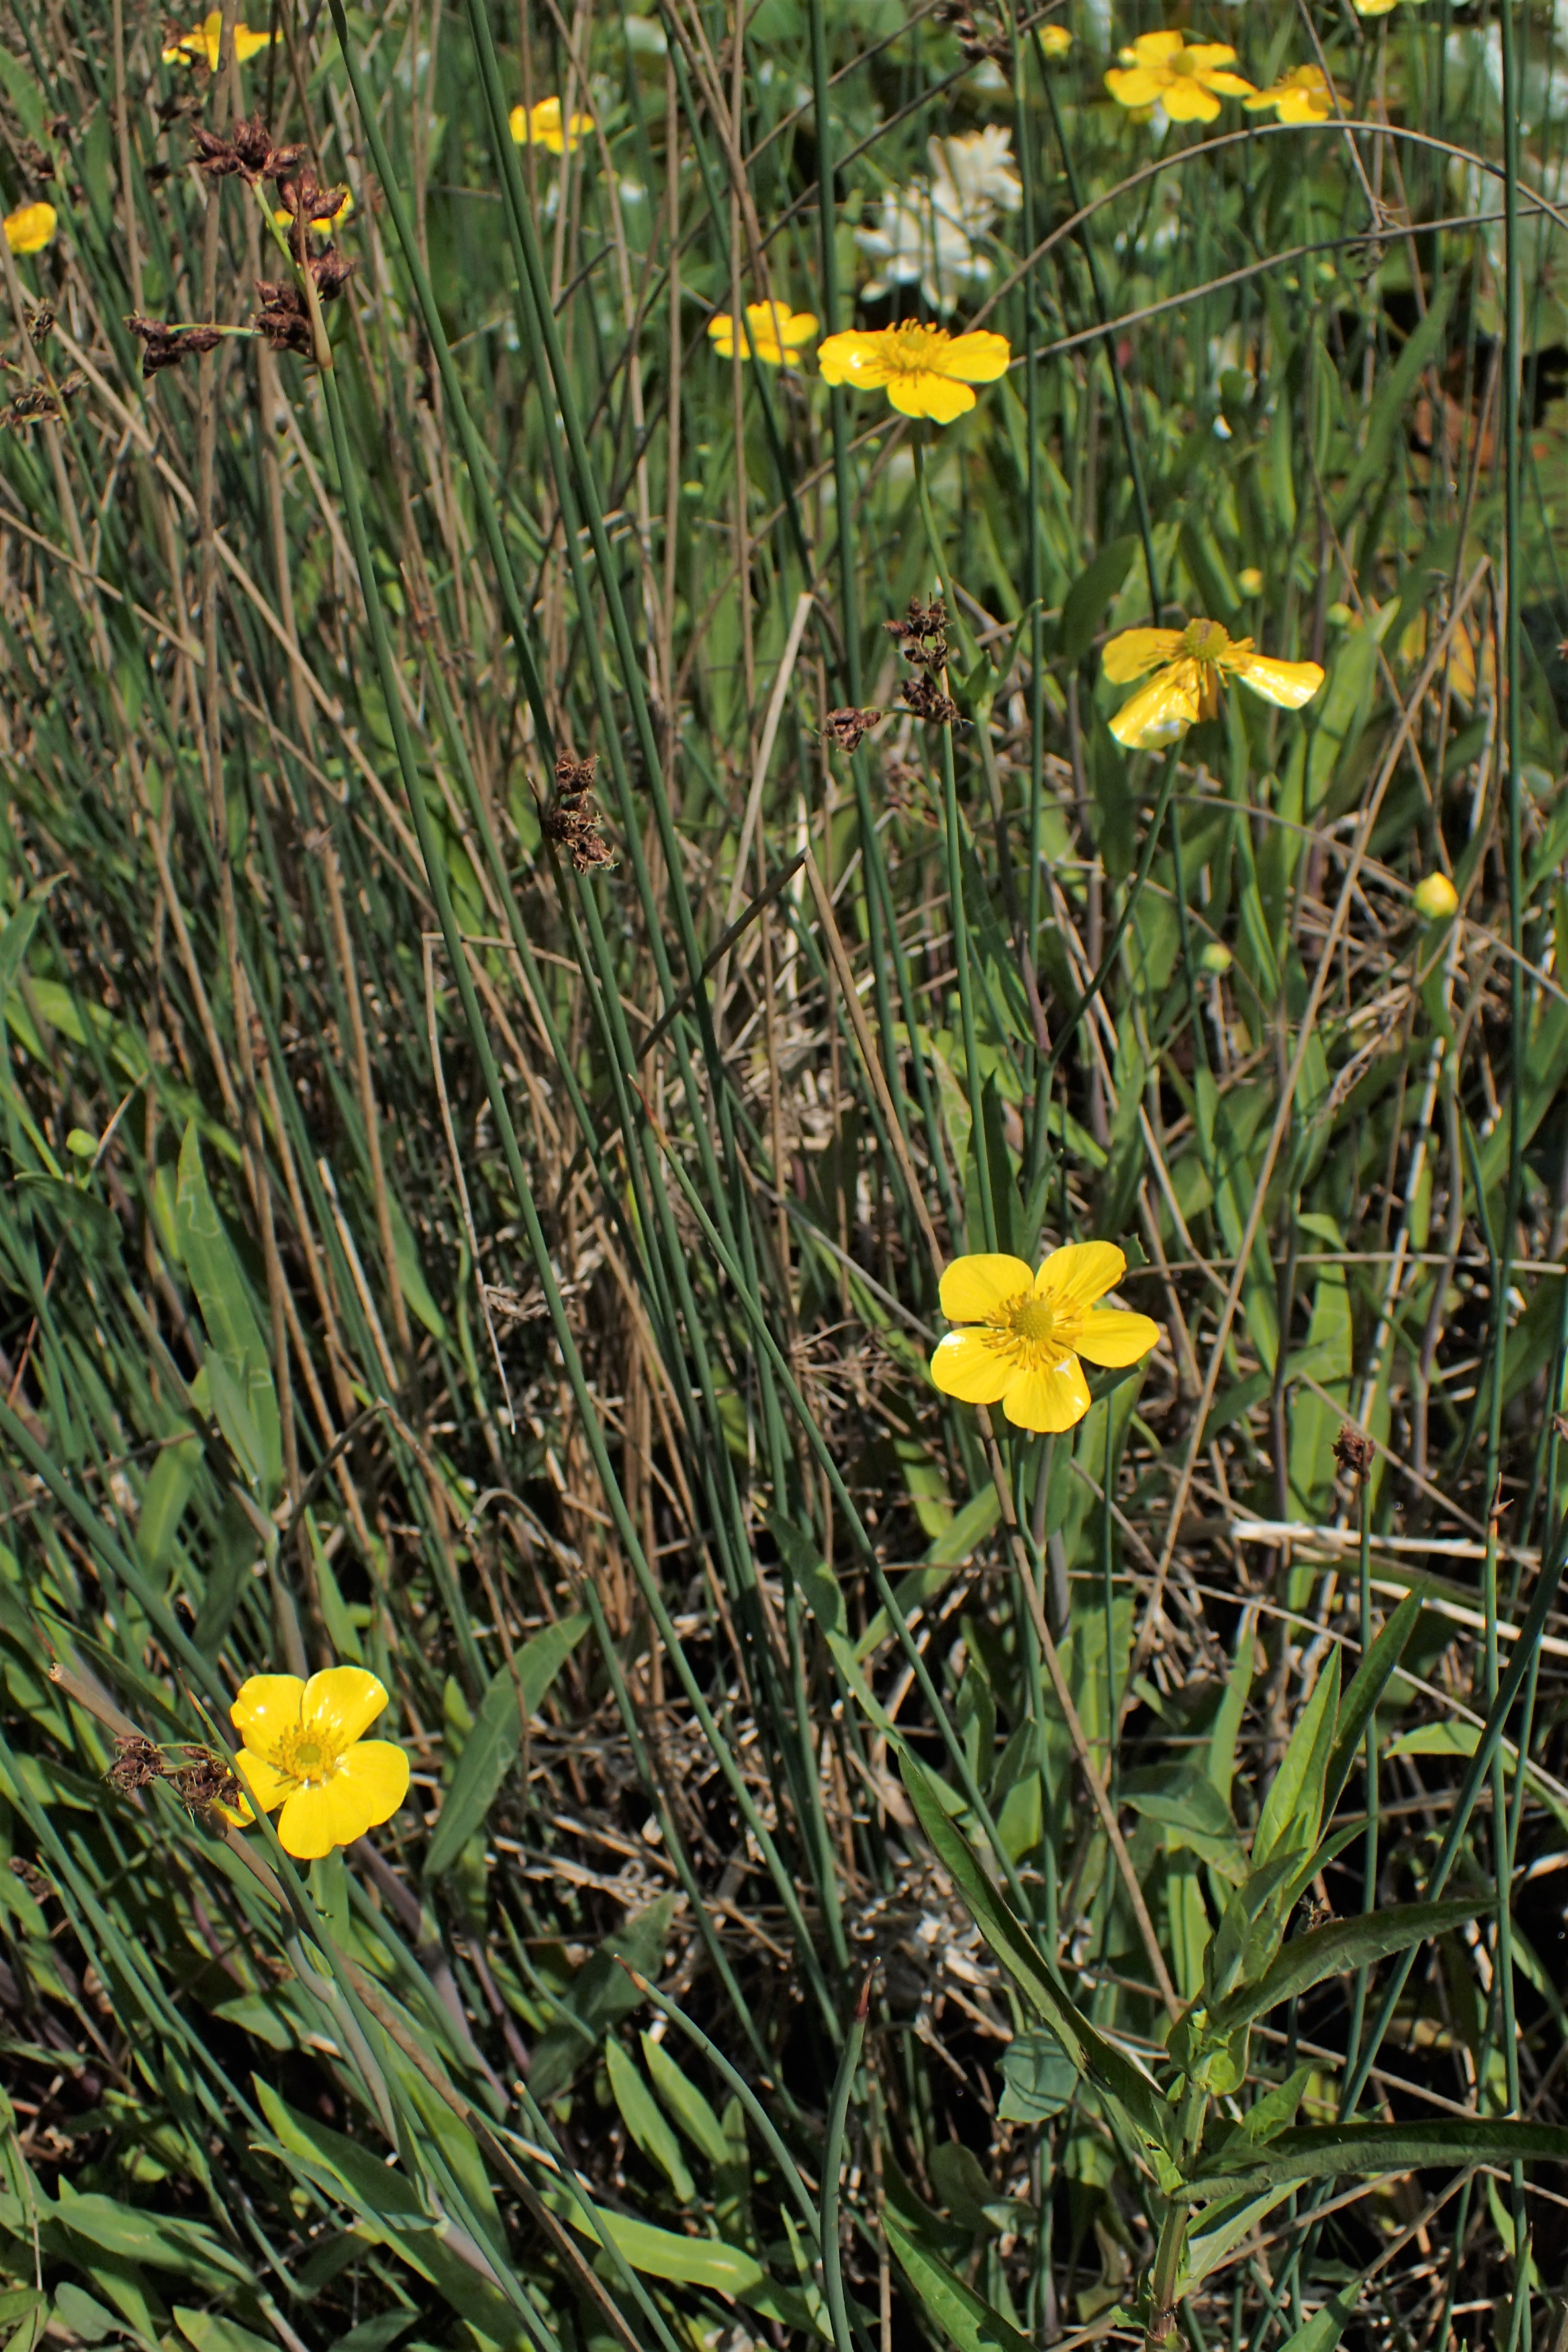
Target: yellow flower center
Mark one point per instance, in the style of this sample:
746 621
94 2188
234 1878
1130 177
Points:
1025 1330
1202 641
305 1757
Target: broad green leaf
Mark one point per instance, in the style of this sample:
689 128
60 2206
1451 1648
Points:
224 1298
1107 2067
686 2104
1323 2330
645 2121
1232 1708
600 1993
963 2316
693 2262
1040 2078
209 2331
1225 2227
1184 1799
492 1748
1322 2151
1359 1702
137 2235
1335 1951
1089 594
1293 1808
1241 1947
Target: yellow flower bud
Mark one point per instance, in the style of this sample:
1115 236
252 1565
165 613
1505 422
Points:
1436 898
1217 957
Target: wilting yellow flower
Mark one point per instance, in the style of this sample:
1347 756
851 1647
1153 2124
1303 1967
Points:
1188 79
1025 1332
1436 898
1055 41
776 333
30 227
304 1749
203 39
322 224
540 126
1305 95
925 371
1190 662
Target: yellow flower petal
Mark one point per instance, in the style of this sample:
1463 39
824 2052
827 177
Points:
1185 100
1137 85
1229 85
973 1366
1074 1277
1155 49
853 358
936 396
1303 106
1289 684
1202 57
30 227
266 1707
340 1704
267 1785
247 42
1056 1397
974 1286
1111 1337
1128 656
1160 710
366 1788
977 358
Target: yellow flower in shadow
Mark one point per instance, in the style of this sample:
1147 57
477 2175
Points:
304 1749
542 126
1190 663
1024 1332
203 39
1305 95
31 227
1188 78
774 333
924 371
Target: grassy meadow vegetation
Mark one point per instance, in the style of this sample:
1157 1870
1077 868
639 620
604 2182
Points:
562 862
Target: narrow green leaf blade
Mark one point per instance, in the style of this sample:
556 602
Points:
963 2316
1107 2067
1320 2151
492 1748
1335 1951
1373 1676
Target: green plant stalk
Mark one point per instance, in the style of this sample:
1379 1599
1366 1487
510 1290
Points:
954 841
1369 1864
832 2160
588 1415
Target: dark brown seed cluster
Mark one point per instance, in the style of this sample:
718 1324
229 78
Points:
977 37
165 347
39 403
199 1778
572 821
284 318
1354 1450
922 640
846 727
249 153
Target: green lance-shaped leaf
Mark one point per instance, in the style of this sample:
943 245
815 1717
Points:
963 2316
1372 1679
1293 1808
1323 2330
1109 2069
233 1332
1335 1951
647 2122
601 1991
1322 2151
492 1748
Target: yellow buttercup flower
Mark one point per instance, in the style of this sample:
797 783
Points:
1436 898
1191 663
305 1749
774 333
1055 41
30 227
1305 95
203 39
1025 1331
541 126
924 371
1187 79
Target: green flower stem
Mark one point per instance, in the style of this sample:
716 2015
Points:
832 2162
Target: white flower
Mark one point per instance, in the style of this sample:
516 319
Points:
929 232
